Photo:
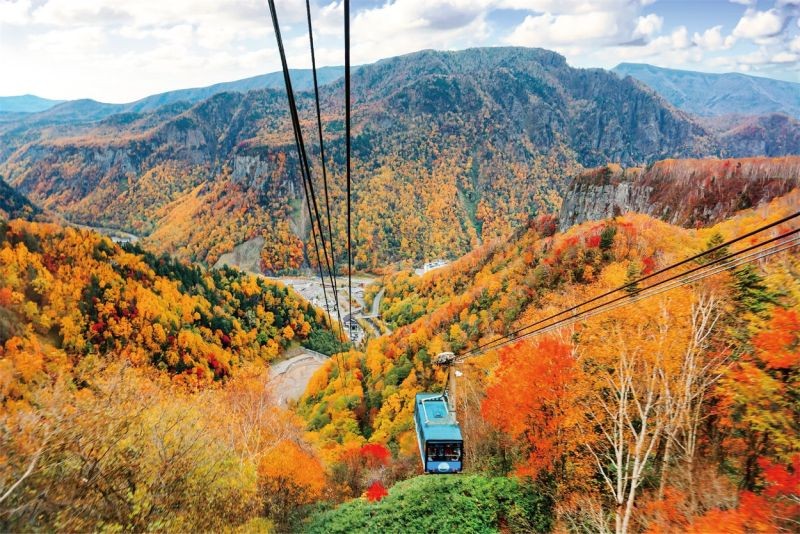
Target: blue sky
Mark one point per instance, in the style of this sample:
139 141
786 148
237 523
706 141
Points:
118 51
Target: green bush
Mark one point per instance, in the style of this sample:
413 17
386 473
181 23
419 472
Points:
444 503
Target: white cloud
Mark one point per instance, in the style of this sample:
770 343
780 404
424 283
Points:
16 13
648 25
405 26
759 24
744 2
119 51
784 57
548 30
712 39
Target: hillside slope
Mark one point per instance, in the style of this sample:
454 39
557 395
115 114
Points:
67 293
26 104
14 205
550 407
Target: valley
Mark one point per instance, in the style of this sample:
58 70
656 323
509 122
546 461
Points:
171 359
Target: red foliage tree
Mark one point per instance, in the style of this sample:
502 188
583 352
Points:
376 492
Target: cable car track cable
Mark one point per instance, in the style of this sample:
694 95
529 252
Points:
516 333
305 169
348 149
635 298
322 151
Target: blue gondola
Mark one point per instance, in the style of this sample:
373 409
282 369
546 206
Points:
438 434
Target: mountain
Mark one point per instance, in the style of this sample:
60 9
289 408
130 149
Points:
460 146
123 364
302 80
709 94
688 193
544 407
451 149
26 104
88 110
773 134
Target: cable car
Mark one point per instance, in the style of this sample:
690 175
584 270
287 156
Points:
441 446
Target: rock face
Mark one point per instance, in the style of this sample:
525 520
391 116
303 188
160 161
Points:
683 192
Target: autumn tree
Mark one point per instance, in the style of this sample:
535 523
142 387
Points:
289 478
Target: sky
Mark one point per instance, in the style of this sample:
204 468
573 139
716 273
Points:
120 51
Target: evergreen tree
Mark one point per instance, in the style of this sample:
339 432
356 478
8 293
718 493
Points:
633 274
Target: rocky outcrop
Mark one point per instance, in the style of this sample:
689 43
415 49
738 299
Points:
686 192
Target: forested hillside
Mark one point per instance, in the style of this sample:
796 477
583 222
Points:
133 388
69 293
674 413
14 205
451 149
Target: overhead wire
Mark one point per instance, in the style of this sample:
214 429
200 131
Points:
322 158
633 284
305 169
775 249
348 150
517 335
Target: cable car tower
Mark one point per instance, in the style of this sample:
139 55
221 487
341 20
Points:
441 445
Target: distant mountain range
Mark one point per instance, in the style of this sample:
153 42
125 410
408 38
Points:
26 104
85 110
708 94
450 148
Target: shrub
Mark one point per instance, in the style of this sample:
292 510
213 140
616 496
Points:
431 503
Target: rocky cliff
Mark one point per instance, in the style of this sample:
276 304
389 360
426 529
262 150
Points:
686 192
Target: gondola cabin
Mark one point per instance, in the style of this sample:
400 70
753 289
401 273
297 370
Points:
438 434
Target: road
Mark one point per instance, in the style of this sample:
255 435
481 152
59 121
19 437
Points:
376 303
118 236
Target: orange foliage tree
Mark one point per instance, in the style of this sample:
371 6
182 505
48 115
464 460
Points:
533 399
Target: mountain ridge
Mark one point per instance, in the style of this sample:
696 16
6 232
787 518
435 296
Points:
89 110
461 146
712 94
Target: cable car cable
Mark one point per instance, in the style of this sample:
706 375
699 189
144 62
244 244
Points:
695 278
725 265
306 179
305 169
322 158
517 332
348 149
635 283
